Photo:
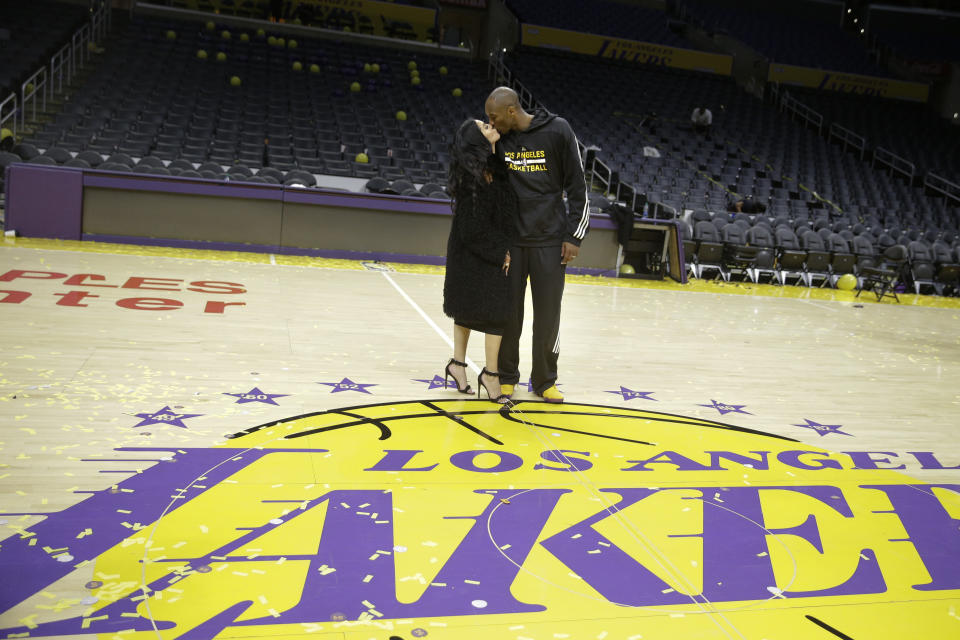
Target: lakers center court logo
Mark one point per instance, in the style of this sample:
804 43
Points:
459 519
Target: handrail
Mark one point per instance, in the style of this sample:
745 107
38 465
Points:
848 138
895 162
60 69
498 70
789 103
941 185
80 48
9 115
602 174
35 84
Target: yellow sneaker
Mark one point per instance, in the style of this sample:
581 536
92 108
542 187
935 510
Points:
552 395
506 390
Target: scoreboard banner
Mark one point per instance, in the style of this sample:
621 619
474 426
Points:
623 49
848 82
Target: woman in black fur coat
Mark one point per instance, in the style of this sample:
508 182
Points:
476 292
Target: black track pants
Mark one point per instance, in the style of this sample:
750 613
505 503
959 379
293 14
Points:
542 265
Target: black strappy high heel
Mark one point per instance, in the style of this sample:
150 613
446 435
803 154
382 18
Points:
447 374
499 398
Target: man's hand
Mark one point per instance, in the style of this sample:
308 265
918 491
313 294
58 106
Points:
506 264
568 252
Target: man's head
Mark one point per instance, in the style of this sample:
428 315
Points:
504 110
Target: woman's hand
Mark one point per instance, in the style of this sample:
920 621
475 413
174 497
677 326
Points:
506 264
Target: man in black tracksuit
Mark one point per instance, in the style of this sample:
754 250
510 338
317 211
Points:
540 150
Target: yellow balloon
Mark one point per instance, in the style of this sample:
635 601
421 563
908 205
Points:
847 282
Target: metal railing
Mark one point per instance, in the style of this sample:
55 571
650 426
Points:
498 71
792 105
848 138
600 174
8 113
943 186
52 79
60 69
33 89
896 163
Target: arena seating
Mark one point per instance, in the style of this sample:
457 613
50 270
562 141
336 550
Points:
805 182
152 96
603 18
904 128
26 43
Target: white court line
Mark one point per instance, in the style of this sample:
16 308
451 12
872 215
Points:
446 338
817 304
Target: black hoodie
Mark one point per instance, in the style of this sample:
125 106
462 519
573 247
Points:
544 162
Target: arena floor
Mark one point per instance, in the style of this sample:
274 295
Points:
207 444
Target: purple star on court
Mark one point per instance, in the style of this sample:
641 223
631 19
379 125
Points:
165 416
823 429
348 385
438 383
724 409
255 395
630 394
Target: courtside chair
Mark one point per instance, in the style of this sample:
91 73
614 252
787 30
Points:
842 259
921 265
883 280
948 269
817 263
738 258
761 238
790 257
709 249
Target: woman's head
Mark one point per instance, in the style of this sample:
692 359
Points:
471 147
476 135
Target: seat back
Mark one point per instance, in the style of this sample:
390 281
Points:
732 233
811 241
818 259
760 236
705 231
862 246
919 252
842 260
786 239
942 254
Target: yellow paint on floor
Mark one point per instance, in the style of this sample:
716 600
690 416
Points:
700 286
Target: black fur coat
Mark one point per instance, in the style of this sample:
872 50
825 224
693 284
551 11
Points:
476 293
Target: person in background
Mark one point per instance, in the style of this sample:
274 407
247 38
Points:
702 120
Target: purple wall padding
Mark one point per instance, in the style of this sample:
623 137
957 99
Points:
44 202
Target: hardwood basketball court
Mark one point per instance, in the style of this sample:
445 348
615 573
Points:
209 444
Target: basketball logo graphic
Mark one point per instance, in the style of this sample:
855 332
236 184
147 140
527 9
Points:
453 519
